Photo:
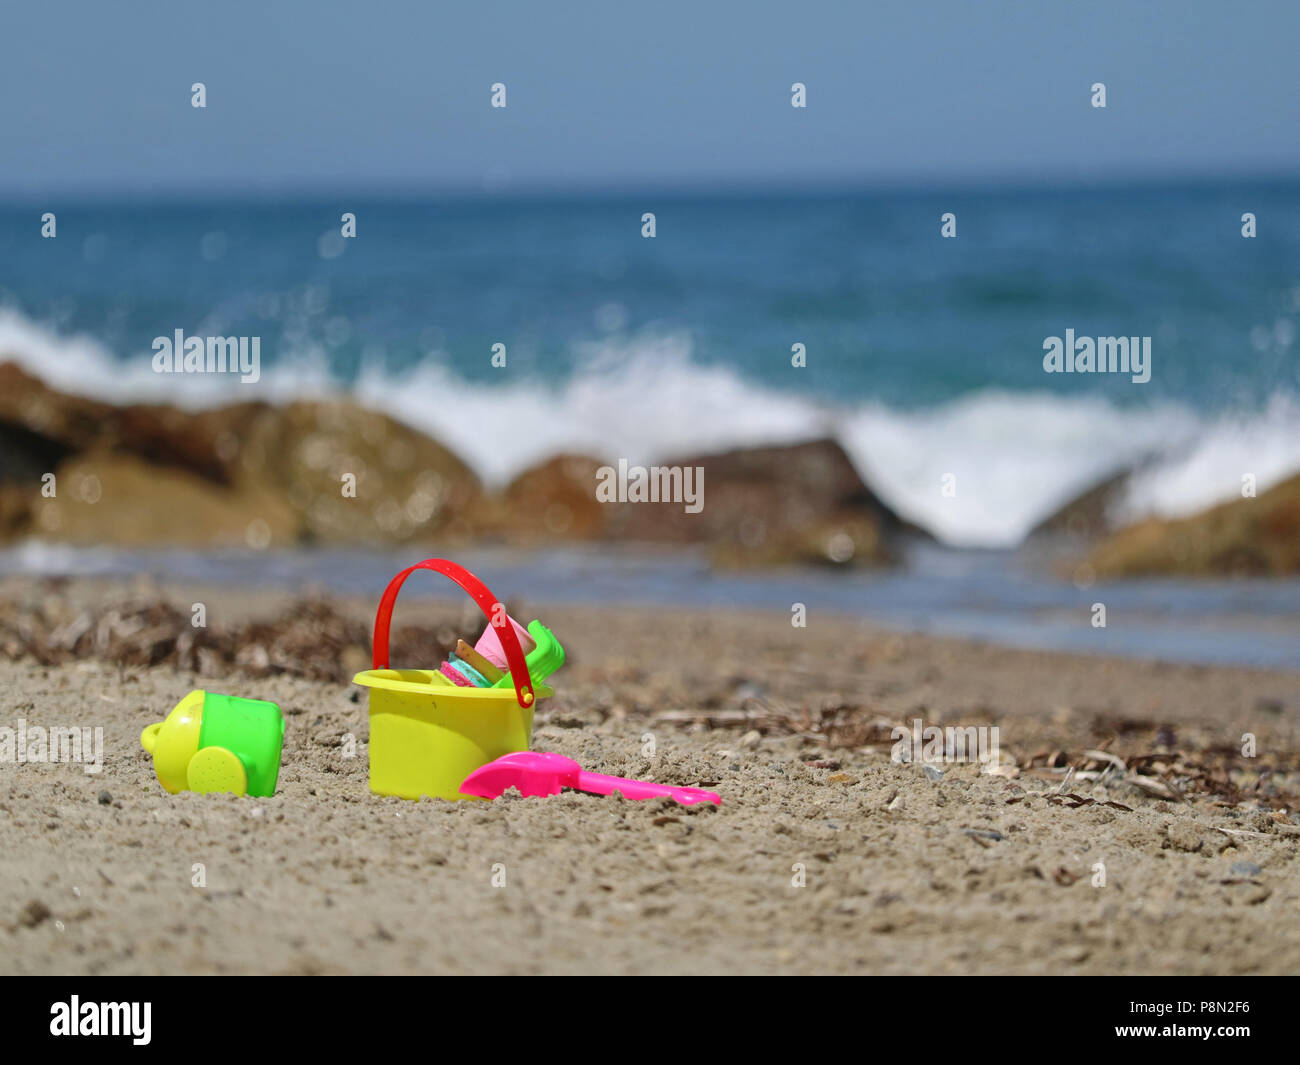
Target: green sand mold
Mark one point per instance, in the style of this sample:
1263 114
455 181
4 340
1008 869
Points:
542 660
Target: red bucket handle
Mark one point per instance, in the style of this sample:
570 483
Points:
487 602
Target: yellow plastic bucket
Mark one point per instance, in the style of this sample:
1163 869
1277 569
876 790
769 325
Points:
426 736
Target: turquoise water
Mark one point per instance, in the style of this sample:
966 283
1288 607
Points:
889 310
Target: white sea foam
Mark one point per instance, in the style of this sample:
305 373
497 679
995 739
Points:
83 366
1014 457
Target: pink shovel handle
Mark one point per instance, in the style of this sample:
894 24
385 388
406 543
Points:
599 784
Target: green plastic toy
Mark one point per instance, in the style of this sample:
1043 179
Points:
212 743
542 660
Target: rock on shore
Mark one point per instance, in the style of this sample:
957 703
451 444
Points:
1089 514
243 475
790 504
261 476
1245 537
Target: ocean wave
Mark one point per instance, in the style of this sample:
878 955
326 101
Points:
1007 459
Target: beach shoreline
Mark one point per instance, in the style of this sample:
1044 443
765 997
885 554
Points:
1044 863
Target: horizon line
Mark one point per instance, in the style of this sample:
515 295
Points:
708 187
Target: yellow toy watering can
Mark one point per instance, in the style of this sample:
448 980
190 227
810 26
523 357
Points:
213 742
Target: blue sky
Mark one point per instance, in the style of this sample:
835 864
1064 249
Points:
395 96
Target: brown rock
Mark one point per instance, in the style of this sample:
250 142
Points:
65 424
407 486
106 496
773 505
1088 515
1258 536
26 401
802 503
244 475
34 913
554 500
259 476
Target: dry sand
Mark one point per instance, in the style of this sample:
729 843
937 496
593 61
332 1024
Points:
902 873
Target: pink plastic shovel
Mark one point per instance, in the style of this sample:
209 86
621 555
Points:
541 773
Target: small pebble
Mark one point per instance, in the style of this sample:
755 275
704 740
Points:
1246 869
933 773
34 913
105 797
984 833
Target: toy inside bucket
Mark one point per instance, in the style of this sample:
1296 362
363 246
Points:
426 736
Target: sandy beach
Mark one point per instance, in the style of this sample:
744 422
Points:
1182 857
